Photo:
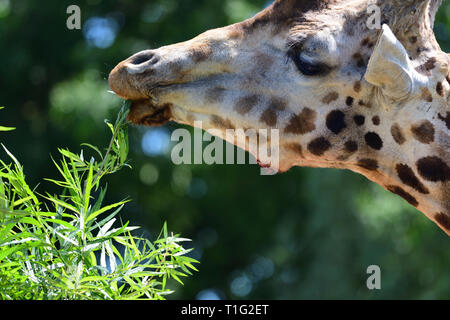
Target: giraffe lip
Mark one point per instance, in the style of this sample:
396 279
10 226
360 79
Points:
146 112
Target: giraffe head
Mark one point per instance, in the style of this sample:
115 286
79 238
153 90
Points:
342 94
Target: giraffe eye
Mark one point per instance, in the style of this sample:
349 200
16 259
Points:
307 66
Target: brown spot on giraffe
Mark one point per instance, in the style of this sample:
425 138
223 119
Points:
263 62
423 131
426 95
413 39
270 115
365 42
214 94
428 66
221 123
368 164
433 169
443 220
296 148
373 140
359 119
330 97
425 48
349 101
351 146
359 60
246 104
278 104
200 52
335 121
397 134
440 89
405 195
376 120
361 103
409 178
446 119
319 146
302 123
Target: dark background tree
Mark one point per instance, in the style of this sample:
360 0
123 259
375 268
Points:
308 233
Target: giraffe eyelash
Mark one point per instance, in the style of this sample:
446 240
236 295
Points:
307 68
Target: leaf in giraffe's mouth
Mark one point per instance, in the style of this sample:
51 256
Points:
145 112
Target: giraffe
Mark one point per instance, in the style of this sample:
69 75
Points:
341 94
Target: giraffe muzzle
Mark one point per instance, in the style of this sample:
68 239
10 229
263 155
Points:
127 77
127 80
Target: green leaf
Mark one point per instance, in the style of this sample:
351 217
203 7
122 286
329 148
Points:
92 279
110 126
93 148
21 201
108 218
177 279
10 251
62 223
17 213
88 188
62 204
104 209
165 232
31 220
7 128
12 157
7 228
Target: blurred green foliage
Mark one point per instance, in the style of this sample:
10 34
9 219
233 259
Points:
308 233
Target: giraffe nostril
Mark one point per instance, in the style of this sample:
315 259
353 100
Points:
141 58
142 62
144 57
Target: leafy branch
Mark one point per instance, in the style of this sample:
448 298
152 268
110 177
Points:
66 246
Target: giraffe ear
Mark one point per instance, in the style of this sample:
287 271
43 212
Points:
389 67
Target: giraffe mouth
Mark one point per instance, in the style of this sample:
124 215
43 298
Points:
146 112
